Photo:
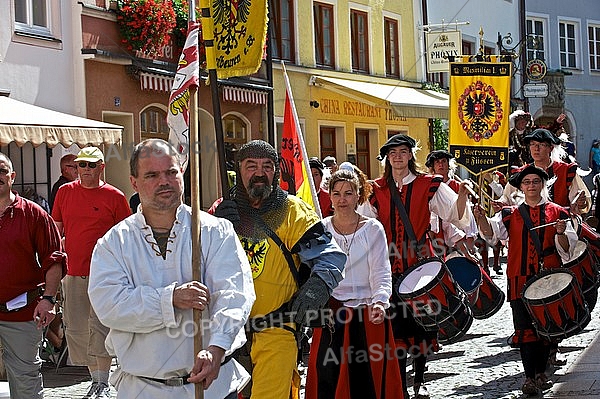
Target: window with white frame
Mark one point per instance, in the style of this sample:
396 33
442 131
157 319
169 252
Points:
38 22
567 42
282 39
392 56
33 16
535 41
594 46
324 34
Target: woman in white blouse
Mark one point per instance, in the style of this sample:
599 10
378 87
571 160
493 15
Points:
355 355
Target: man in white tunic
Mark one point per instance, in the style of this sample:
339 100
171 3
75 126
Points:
141 288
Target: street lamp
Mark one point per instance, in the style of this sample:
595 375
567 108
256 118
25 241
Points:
504 45
511 53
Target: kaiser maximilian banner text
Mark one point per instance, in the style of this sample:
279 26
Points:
479 110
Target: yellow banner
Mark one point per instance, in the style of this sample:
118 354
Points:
479 110
240 29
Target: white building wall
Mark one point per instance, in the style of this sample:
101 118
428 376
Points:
39 70
494 16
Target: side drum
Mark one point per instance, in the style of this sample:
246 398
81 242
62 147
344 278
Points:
555 302
490 298
585 270
428 290
467 274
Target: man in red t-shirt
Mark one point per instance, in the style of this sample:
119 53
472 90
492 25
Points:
84 210
31 257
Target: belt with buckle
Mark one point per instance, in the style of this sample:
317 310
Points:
179 381
172 382
31 296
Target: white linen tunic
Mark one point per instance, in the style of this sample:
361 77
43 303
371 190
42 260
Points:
367 273
131 289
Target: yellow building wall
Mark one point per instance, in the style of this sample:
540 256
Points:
346 114
377 11
339 110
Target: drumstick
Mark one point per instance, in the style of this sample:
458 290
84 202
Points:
469 189
576 198
549 224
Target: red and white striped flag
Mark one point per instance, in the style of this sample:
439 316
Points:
187 75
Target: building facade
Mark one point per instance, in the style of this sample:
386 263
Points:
355 74
36 52
569 44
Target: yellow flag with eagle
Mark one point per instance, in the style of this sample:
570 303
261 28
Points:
240 31
479 110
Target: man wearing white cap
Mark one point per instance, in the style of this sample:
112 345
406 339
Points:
84 210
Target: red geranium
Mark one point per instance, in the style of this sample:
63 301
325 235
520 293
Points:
145 25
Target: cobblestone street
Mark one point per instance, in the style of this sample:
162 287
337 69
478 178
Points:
481 365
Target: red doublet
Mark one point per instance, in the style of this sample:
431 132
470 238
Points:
523 259
415 196
324 203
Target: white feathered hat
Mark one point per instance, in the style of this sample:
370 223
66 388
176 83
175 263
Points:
519 114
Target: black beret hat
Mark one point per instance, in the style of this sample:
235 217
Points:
395 141
530 169
314 162
435 155
541 135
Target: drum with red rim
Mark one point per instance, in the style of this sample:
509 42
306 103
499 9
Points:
490 298
428 290
555 302
585 270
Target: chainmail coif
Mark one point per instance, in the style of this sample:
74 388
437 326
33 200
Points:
273 210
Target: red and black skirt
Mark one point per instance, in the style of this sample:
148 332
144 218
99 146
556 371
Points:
354 358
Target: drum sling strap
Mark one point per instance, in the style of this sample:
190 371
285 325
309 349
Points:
534 235
408 227
286 252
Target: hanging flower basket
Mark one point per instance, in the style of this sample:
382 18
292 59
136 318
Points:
145 25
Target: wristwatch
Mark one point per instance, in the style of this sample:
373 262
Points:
49 298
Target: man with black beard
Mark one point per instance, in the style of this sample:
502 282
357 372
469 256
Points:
278 232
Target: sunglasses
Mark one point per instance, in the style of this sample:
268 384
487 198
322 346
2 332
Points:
84 164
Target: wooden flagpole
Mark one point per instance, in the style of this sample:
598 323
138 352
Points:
194 164
211 64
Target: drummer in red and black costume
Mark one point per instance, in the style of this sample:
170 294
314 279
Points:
420 195
557 242
568 190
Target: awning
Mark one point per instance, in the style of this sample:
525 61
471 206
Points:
241 95
408 102
152 81
21 122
